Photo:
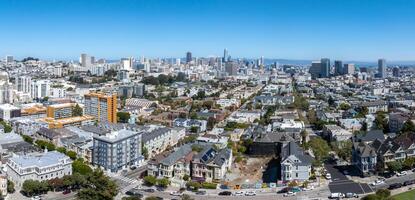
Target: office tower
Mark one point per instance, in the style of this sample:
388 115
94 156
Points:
23 84
262 61
115 150
85 60
92 59
9 59
363 69
315 69
338 67
177 61
127 63
225 55
325 68
231 68
188 57
382 68
40 89
396 72
102 106
348 69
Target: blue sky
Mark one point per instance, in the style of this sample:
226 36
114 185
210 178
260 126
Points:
293 29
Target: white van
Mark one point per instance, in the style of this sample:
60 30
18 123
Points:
336 195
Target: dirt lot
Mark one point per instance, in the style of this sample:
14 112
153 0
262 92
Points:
248 171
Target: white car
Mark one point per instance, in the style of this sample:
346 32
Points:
308 188
239 193
328 176
250 193
377 182
289 194
176 193
403 173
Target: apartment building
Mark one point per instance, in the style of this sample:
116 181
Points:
59 111
157 139
102 106
116 150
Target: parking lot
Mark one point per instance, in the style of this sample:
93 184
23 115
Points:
340 183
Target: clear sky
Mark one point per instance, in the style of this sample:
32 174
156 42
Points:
293 29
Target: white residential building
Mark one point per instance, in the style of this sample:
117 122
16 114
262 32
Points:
46 166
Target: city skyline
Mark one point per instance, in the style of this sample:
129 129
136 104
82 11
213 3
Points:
274 29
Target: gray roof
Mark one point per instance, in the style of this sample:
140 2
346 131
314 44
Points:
293 149
43 160
177 155
371 136
147 136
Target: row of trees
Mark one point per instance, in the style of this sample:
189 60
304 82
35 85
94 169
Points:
164 79
151 180
94 185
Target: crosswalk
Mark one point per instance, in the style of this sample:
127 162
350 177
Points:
125 183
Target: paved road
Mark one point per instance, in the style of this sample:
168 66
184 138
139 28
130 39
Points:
340 183
395 179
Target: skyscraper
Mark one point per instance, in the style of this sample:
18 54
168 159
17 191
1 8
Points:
315 69
325 68
188 57
382 68
85 60
103 107
396 72
225 55
231 68
348 69
338 67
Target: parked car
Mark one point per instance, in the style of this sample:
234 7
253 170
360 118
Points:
289 194
149 190
345 172
377 182
328 176
134 192
250 193
336 196
239 193
402 173
201 192
351 195
176 193
225 193
308 188
410 182
389 175
295 189
133 167
395 186
66 192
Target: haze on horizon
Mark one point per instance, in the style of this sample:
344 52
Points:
297 29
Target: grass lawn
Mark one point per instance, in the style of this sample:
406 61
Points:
410 195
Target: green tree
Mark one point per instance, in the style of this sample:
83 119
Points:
71 154
186 177
344 106
408 163
33 187
194 129
61 150
320 149
27 139
408 126
10 186
394 166
381 122
150 180
99 186
164 182
145 152
81 168
383 193
7 127
77 111
123 117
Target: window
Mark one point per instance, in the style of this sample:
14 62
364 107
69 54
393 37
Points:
296 175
